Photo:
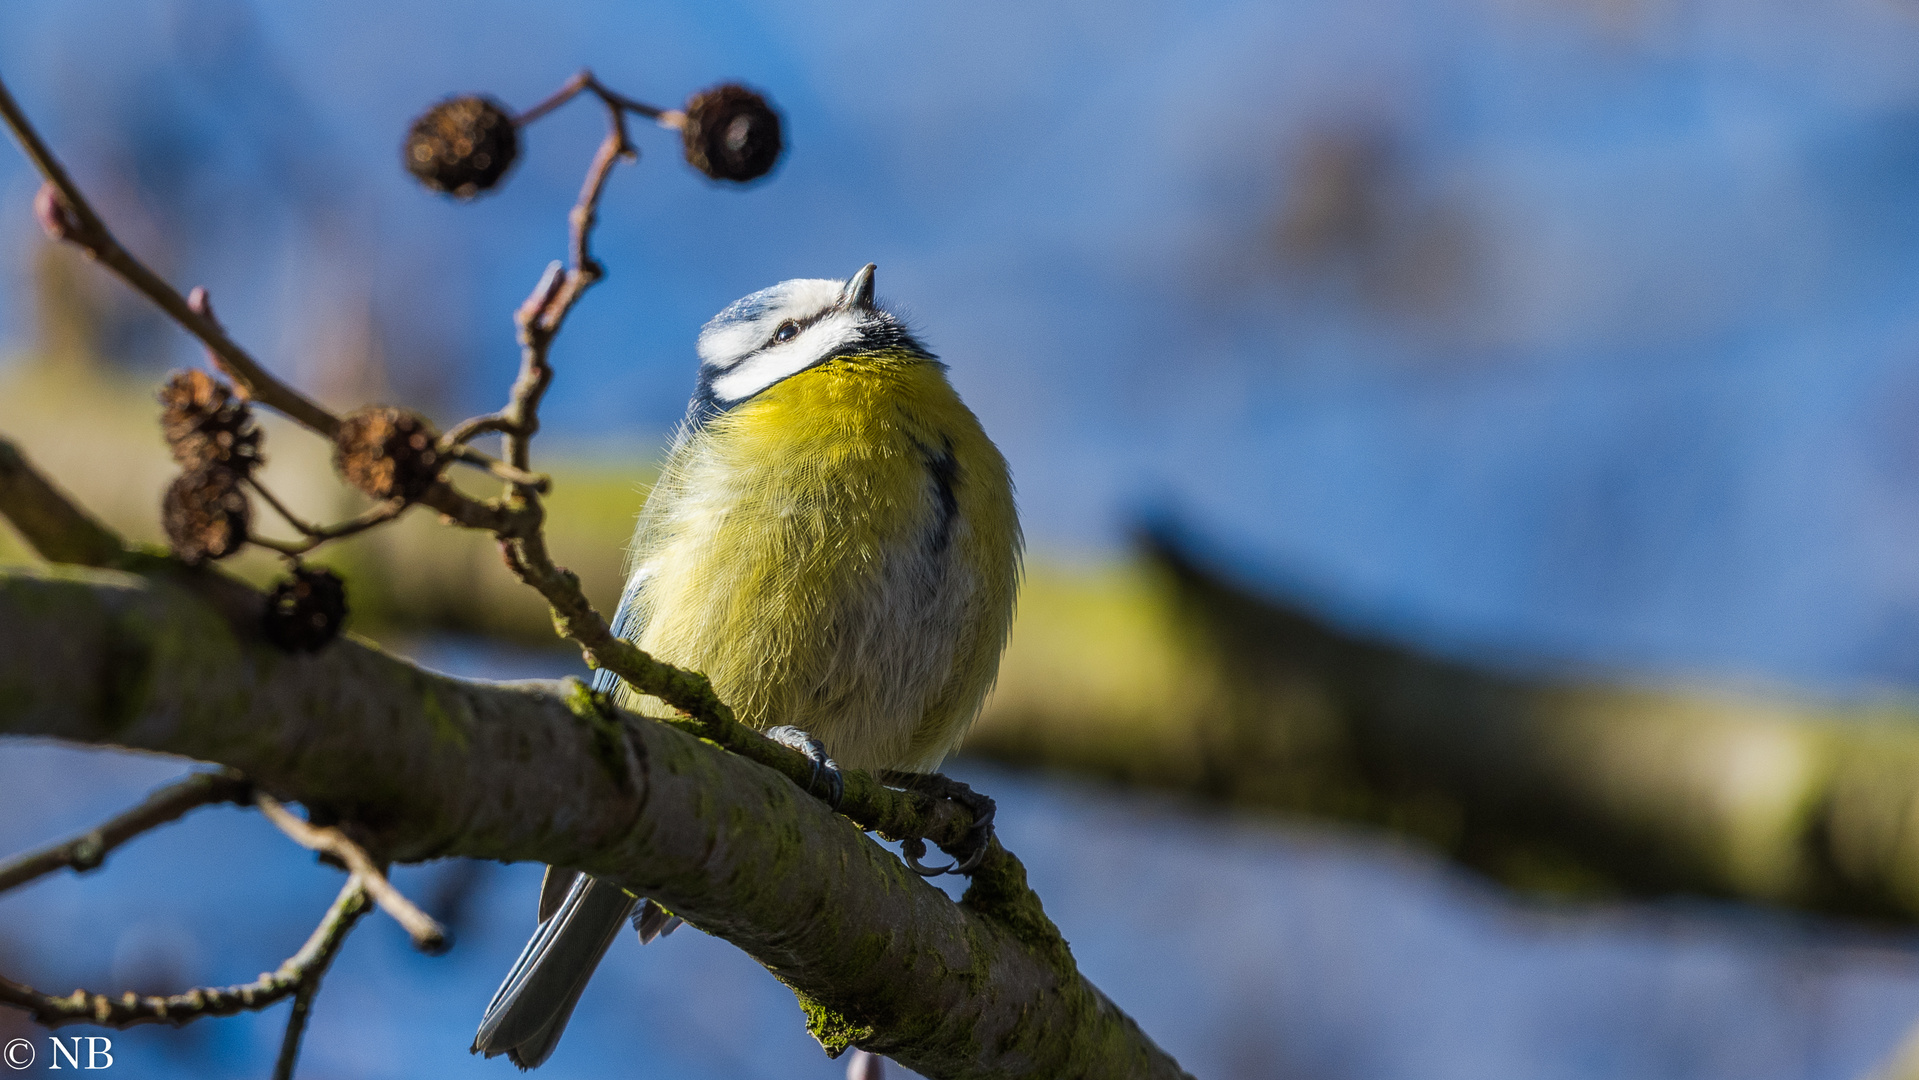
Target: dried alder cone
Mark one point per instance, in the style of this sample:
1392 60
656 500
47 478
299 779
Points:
304 612
212 435
462 146
205 514
206 424
388 452
731 133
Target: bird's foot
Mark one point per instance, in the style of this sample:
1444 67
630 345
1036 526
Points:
966 856
815 751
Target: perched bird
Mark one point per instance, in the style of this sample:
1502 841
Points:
833 542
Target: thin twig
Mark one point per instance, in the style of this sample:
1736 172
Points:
585 80
469 429
299 524
367 518
296 1030
355 894
614 97
315 535
129 1009
567 92
92 235
428 935
490 515
292 549
518 477
87 851
378 513
545 311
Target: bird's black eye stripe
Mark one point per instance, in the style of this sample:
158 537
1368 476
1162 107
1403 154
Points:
791 328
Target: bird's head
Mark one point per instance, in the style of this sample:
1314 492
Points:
778 332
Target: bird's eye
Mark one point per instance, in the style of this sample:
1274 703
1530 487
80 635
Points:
788 331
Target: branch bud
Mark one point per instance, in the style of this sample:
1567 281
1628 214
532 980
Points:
55 214
731 133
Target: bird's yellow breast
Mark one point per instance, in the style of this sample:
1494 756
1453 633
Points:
839 553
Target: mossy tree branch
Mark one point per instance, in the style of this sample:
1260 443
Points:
1564 784
428 766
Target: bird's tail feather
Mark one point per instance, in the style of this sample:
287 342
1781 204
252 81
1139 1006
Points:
531 1008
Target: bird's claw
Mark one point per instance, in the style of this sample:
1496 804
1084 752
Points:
978 838
913 849
815 751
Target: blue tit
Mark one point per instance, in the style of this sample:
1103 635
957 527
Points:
833 542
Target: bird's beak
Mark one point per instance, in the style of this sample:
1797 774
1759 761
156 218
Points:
859 290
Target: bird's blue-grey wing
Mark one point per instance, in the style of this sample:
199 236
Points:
629 622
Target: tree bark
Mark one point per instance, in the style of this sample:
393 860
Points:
419 765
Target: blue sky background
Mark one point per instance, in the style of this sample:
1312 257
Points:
1606 351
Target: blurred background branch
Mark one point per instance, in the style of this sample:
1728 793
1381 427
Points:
1168 676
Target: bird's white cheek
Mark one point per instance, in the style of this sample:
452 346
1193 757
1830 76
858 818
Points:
756 373
730 341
